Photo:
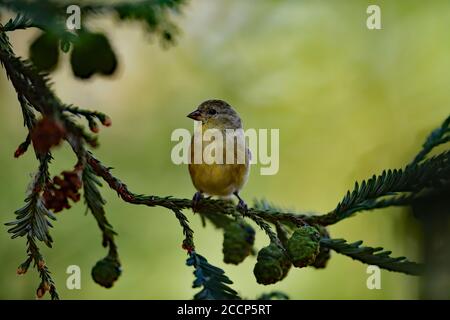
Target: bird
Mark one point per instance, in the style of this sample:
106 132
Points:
215 178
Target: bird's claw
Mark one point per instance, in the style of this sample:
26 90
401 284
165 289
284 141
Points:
198 196
242 206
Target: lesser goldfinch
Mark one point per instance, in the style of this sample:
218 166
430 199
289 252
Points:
221 179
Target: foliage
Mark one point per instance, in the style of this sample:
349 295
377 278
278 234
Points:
298 238
91 52
272 265
18 23
238 239
303 246
212 279
431 173
373 256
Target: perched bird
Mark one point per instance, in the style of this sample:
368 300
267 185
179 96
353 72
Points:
221 179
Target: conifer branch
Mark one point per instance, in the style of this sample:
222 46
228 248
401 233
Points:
33 222
47 283
373 256
188 242
33 92
95 204
32 219
29 120
19 22
51 15
214 282
90 116
206 206
265 227
275 214
23 147
437 137
432 173
153 13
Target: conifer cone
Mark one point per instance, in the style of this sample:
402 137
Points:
238 241
106 271
303 246
272 265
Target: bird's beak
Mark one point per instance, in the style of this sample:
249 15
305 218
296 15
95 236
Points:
195 115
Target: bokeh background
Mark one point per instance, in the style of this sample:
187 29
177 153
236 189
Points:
349 102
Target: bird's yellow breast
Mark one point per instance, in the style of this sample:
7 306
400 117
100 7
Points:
219 179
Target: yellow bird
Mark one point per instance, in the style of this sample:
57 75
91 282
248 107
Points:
219 178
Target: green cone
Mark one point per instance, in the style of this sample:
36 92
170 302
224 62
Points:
272 265
303 246
106 272
238 241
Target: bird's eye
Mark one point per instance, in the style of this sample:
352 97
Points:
212 112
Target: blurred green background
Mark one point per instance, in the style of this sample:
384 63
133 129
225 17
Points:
349 102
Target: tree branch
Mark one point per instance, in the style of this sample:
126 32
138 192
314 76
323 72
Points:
373 256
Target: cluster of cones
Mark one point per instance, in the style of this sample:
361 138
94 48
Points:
58 192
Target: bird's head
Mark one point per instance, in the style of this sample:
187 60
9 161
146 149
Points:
216 114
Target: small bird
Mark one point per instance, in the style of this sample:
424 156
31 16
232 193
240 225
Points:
219 179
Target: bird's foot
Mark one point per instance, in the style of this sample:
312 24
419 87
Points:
198 196
242 206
